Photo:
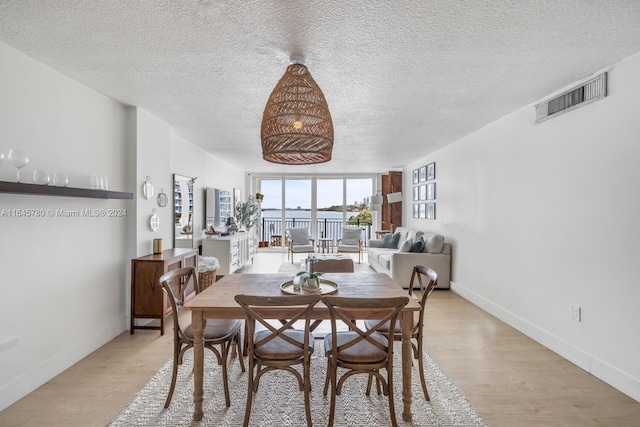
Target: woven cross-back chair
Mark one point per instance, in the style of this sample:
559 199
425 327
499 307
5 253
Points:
360 351
278 347
216 332
427 280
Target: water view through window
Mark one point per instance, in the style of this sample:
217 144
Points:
322 205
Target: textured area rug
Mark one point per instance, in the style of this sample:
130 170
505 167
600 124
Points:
278 401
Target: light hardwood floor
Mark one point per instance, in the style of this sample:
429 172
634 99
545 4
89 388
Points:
509 378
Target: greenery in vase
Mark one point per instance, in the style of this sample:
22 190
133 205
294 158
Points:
248 213
307 275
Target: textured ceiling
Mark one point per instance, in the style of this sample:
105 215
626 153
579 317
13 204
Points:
402 78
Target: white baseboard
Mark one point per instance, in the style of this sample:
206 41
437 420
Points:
616 378
54 364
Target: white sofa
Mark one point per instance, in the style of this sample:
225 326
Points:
398 262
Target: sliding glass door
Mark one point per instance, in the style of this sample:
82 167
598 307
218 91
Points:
323 205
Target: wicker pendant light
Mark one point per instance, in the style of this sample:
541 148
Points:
296 124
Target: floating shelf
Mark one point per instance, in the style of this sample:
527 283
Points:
51 190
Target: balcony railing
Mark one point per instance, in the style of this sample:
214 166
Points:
324 228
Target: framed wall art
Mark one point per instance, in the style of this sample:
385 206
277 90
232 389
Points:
423 210
423 173
431 191
416 176
416 193
431 171
416 210
431 210
423 192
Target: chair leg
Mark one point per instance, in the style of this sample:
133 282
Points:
247 411
225 379
307 390
392 409
421 367
173 380
238 344
332 407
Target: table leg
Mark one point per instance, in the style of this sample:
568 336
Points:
407 326
197 325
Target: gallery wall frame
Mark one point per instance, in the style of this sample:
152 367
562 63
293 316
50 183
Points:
424 191
430 191
431 210
431 171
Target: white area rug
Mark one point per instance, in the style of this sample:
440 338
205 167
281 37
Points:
280 403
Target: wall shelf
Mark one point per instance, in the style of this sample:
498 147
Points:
50 190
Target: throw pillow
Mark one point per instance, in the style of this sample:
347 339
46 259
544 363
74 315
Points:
395 238
406 246
386 241
433 243
418 245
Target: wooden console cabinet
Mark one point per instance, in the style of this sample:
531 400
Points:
148 301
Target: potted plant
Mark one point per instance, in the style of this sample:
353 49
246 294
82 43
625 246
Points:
309 281
259 197
248 213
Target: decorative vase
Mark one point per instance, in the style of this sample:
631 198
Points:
310 286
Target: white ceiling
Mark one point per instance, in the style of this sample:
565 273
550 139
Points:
402 78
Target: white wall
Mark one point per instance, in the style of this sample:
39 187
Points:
66 281
542 217
62 277
188 160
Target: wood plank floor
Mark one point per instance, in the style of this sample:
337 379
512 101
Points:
509 378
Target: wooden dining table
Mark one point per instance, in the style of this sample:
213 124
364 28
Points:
217 302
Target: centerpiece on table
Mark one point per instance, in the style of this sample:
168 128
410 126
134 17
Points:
308 282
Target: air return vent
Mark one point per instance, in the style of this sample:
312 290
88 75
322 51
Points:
584 94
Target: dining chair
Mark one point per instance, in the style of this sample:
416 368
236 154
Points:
357 350
351 241
299 241
220 332
278 347
427 280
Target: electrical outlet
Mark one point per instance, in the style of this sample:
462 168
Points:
576 313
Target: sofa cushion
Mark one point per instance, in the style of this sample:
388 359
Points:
407 234
390 241
433 243
418 245
406 246
384 259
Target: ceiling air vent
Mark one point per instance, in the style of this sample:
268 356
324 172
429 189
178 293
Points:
584 94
